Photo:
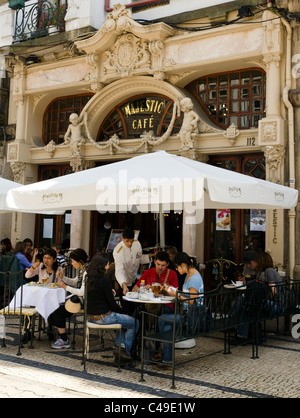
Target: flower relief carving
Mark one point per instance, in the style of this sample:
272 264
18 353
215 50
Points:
231 133
269 132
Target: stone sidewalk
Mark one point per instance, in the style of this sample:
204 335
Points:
44 372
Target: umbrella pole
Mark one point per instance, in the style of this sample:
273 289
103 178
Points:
161 228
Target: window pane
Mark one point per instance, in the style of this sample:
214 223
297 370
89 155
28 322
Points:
235 94
222 95
256 106
235 120
212 95
246 77
212 82
234 79
223 80
255 119
235 108
245 122
256 77
245 106
244 93
202 85
223 109
257 90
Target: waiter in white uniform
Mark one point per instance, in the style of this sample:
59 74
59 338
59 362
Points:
128 257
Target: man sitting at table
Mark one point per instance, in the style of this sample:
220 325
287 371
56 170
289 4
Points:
159 274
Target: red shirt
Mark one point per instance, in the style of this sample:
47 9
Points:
150 276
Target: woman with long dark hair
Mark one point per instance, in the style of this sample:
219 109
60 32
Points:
102 308
6 247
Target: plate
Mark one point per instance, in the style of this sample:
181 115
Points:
132 295
170 298
146 296
230 286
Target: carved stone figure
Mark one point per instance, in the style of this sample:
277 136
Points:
189 124
74 136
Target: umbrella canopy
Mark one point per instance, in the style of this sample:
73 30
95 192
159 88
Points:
5 186
150 183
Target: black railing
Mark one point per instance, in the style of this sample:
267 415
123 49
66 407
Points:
40 19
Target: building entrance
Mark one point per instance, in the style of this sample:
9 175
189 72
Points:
229 233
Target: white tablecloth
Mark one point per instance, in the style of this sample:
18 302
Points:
45 299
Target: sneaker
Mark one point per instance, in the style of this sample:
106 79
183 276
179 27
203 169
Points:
59 343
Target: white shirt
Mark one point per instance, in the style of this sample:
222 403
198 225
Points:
127 262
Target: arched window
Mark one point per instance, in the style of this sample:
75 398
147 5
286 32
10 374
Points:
56 116
131 118
237 97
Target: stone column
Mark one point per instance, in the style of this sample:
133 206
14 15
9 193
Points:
271 130
189 231
76 235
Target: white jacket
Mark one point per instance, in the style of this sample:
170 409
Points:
127 262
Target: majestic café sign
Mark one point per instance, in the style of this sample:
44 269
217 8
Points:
132 118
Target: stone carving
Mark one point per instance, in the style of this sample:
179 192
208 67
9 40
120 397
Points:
74 136
50 148
18 169
13 152
231 133
274 158
189 124
127 54
269 132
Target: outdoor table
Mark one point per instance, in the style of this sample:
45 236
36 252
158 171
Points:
45 298
233 286
153 300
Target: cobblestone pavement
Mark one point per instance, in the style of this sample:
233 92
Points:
44 372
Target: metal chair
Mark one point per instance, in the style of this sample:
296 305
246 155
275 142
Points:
9 281
93 326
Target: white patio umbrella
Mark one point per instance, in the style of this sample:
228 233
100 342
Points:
5 186
152 182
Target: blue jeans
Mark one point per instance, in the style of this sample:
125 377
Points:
191 318
166 327
130 326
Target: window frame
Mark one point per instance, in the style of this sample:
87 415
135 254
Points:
213 89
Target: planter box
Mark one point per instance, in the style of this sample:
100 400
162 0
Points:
16 4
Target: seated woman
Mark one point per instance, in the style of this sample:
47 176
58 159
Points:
6 247
74 286
46 270
193 284
267 278
265 268
20 254
102 308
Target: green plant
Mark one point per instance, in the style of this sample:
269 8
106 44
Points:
58 13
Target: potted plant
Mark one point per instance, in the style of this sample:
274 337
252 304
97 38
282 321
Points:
16 4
